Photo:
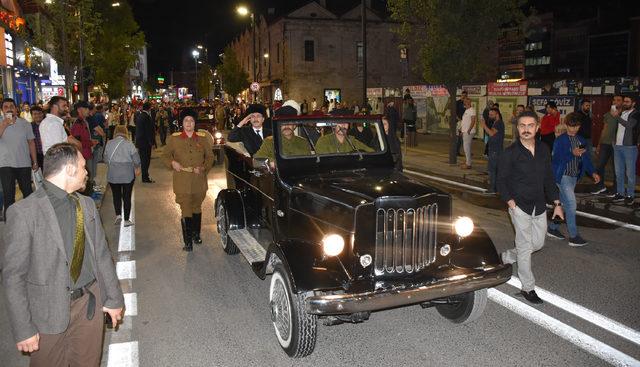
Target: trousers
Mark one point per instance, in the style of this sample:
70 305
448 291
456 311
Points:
467 140
190 203
80 345
567 188
530 231
122 195
606 155
492 170
145 160
8 177
625 164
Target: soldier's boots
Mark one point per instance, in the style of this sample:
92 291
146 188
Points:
197 224
186 234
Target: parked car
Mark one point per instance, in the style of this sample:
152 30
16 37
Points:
345 234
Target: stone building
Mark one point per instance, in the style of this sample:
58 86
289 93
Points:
312 52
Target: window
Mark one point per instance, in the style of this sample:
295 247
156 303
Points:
278 52
359 52
309 52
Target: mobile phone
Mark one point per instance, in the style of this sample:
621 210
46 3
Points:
556 219
8 115
613 108
582 146
108 321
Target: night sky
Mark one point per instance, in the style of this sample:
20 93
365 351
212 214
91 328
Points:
173 28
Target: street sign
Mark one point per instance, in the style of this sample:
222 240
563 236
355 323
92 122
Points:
255 86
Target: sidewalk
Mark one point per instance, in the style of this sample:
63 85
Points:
431 156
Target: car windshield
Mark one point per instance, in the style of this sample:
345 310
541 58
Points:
300 139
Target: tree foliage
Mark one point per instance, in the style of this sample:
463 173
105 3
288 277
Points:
455 40
234 78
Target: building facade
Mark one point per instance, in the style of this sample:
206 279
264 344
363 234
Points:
312 52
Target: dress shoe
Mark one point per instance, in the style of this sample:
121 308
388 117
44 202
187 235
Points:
148 180
532 297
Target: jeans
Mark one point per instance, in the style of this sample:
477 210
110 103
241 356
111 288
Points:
606 154
530 231
9 176
122 194
492 170
625 164
567 188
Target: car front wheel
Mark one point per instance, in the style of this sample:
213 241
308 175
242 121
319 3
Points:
222 223
295 329
464 308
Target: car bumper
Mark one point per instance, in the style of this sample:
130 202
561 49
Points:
379 300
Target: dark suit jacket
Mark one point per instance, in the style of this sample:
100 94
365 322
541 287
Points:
35 273
145 132
248 137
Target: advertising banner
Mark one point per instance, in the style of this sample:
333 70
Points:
474 90
374 92
565 105
507 89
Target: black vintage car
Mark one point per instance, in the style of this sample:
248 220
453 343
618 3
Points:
344 234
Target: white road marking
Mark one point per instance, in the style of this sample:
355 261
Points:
436 178
566 332
618 223
123 355
127 238
584 313
126 269
131 304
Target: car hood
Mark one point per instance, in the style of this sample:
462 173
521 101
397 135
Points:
353 188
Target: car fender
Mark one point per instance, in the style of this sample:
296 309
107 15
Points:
235 207
308 268
475 251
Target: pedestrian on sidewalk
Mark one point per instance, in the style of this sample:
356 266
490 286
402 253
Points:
570 161
18 156
80 131
459 113
604 150
37 115
586 123
123 165
514 120
162 120
494 146
625 150
548 124
57 269
525 183
97 129
409 117
145 139
52 128
468 127
394 143
394 117
190 155
487 121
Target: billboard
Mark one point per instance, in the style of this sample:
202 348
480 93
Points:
565 105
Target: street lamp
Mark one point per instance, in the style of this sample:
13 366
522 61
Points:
244 11
195 54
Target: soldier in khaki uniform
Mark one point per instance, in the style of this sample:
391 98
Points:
190 155
340 142
291 145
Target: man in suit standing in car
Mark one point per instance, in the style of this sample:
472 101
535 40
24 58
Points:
250 131
145 139
57 269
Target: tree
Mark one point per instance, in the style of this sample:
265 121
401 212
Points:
455 40
234 78
120 38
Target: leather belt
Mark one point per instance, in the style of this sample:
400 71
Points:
79 292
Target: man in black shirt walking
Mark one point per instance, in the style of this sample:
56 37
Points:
525 182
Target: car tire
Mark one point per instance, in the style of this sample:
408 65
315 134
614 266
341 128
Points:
467 308
222 224
296 330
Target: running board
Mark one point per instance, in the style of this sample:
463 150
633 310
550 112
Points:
248 245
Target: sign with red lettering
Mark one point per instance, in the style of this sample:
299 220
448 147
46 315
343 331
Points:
507 89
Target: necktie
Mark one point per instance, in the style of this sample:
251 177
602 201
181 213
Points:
258 133
78 242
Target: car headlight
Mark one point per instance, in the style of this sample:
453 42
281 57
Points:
218 135
332 244
463 226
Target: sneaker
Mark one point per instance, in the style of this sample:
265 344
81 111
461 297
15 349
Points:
128 223
610 194
629 200
554 233
599 191
118 219
532 297
577 241
618 198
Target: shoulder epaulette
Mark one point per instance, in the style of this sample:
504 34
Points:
201 134
177 134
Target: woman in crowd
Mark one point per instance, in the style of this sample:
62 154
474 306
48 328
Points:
123 164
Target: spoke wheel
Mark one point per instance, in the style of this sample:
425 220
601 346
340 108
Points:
295 329
222 224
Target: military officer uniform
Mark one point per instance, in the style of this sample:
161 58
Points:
189 187
296 146
329 144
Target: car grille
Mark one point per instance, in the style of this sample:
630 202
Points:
405 239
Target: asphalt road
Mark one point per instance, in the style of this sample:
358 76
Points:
209 309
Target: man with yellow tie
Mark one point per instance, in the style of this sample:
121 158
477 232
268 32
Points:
57 269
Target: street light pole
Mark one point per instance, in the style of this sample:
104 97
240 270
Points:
81 52
255 62
364 54
195 54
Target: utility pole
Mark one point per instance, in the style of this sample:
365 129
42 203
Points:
81 52
364 54
253 27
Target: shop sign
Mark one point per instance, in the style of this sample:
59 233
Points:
48 92
507 89
8 48
473 90
374 92
565 105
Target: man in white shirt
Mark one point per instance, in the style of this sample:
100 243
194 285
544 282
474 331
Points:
468 127
52 127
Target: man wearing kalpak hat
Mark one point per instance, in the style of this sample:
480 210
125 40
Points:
250 131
